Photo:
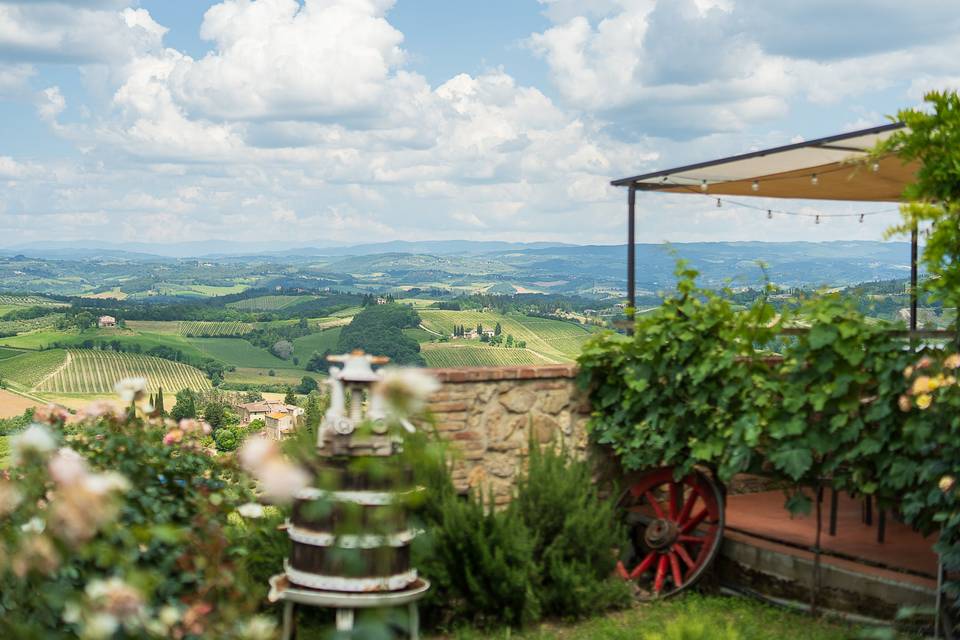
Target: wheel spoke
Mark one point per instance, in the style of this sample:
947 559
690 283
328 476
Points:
681 551
661 575
688 505
622 570
672 507
652 499
691 539
644 566
675 569
692 523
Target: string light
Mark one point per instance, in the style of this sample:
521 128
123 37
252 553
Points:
703 186
756 185
770 212
814 180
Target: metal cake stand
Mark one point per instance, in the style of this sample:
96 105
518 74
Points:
346 604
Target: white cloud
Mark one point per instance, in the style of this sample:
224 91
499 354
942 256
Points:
50 104
683 68
276 59
13 78
77 32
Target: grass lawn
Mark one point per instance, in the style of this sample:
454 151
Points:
750 619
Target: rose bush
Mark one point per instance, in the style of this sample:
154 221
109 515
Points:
116 524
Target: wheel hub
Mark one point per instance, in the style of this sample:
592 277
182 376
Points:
660 534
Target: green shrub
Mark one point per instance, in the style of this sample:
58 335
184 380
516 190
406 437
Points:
549 553
17 423
573 532
226 439
481 564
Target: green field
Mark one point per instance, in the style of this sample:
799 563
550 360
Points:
238 352
87 371
306 346
145 341
166 327
420 335
554 340
8 353
451 354
27 370
248 375
4 452
269 303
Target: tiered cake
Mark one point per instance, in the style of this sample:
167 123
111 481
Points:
352 535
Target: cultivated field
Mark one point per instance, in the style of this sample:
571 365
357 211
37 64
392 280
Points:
476 355
268 303
30 301
191 328
198 329
12 405
33 324
95 372
29 369
554 340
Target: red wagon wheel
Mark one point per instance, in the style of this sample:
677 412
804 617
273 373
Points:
675 529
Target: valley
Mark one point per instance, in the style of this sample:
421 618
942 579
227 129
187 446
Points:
72 323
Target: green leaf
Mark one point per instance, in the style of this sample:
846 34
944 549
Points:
793 461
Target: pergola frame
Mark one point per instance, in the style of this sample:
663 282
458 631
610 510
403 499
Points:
839 159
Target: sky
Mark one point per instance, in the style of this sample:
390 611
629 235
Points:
345 121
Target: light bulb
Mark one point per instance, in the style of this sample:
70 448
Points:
875 167
703 186
818 219
769 214
719 203
814 180
755 186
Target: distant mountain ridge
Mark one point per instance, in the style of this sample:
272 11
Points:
84 249
592 270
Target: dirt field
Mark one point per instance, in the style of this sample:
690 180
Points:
12 405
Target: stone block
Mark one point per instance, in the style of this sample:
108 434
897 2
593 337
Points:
518 400
502 465
553 402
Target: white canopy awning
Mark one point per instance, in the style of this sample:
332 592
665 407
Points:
838 162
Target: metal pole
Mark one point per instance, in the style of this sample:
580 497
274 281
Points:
914 235
631 249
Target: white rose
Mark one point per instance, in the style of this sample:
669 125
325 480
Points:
251 510
36 438
67 466
100 626
131 389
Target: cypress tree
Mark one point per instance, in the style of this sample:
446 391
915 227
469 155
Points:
159 403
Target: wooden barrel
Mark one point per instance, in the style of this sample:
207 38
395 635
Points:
356 537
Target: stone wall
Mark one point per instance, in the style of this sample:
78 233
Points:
489 415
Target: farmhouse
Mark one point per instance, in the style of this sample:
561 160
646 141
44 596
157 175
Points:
106 321
251 411
279 424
